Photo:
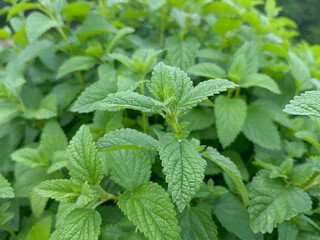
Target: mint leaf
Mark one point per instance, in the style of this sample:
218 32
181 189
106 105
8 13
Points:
47 109
260 80
196 224
126 138
209 70
41 230
28 156
237 68
268 198
150 209
226 111
76 63
84 163
184 169
6 190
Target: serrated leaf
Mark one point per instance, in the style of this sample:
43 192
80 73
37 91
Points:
259 128
196 224
272 202
84 163
230 116
38 23
86 195
230 168
129 168
59 189
184 169
41 230
182 53
260 80
209 70
80 223
202 91
150 209
6 190
307 103
76 63
126 138
131 100
234 217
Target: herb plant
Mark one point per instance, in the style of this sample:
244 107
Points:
157 120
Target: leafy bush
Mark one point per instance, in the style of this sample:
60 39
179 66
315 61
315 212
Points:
157 120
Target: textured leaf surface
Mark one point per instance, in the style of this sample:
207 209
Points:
129 168
272 202
6 190
150 209
126 138
184 169
131 100
230 116
196 224
260 80
259 128
80 224
307 103
209 70
230 168
76 63
84 163
202 91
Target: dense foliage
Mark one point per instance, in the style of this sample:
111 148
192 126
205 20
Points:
157 119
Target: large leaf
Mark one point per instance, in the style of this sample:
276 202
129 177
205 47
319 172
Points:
81 223
307 103
76 63
184 169
259 128
131 100
260 80
230 116
125 139
209 70
84 163
230 168
196 224
6 190
129 168
150 209
272 202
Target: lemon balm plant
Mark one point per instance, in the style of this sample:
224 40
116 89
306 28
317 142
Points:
157 120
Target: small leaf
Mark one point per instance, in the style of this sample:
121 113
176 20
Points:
125 139
230 116
76 63
209 70
27 156
300 72
150 209
80 223
131 100
272 202
288 231
237 68
84 163
37 23
6 190
19 7
260 80
37 203
307 103
41 230
184 169
46 110
124 60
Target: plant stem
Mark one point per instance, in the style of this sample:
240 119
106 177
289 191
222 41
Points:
10 231
144 116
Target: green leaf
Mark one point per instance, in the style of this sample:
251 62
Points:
86 195
300 72
272 202
46 110
287 231
59 189
146 59
202 91
37 23
125 139
131 100
35 49
77 63
81 223
41 230
234 217
260 80
5 216
209 70
237 68
90 98
19 7
225 24
150 209
302 173
84 163
129 168
184 169
230 168
196 224
260 129
119 34
129 63
37 203
28 156
76 10
198 118
6 190
182 53
230 116
307 103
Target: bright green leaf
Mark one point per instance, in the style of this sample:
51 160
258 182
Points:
6 190
76 63
209 70
260 80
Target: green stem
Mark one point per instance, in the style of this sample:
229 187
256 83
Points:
144 115
10 231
